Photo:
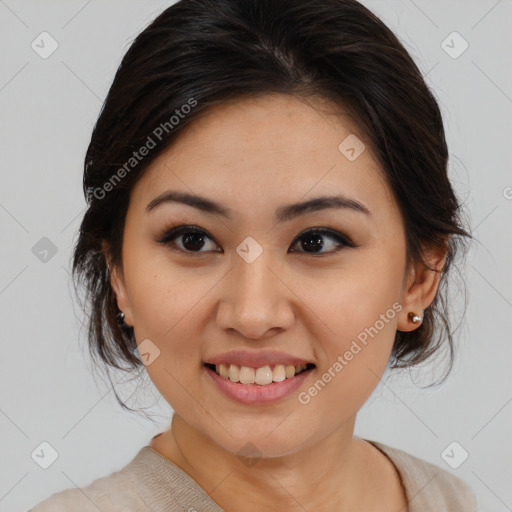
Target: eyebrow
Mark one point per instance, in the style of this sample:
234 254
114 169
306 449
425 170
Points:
283 214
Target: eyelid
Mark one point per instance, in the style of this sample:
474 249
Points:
174 232
324 230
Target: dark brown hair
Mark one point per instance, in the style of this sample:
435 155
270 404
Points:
199 53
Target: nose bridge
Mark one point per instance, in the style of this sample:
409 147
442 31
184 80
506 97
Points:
255 299
255 278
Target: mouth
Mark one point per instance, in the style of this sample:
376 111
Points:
267 375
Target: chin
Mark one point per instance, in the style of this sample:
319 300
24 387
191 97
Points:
267 439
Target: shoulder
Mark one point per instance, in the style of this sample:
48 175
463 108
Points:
429 487
114 492
147 483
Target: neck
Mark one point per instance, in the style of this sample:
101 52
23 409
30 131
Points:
319 477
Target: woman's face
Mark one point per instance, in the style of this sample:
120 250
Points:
256 282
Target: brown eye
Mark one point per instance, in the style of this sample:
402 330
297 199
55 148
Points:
313 241
190 238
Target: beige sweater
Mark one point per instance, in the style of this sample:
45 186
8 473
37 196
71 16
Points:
151 483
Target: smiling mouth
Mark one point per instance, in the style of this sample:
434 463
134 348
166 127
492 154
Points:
261 376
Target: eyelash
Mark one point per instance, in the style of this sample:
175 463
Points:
170 235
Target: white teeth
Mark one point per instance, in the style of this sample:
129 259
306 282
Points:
233 373
246 375
223 370
289 371
278 375
262 376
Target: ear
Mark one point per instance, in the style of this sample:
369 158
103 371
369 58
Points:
421 286
118 285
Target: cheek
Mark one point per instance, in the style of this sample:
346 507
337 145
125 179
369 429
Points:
353 296
353 358
168 304
162 294
356 312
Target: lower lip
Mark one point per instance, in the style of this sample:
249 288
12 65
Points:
254 393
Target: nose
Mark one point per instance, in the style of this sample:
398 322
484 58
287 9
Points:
255 299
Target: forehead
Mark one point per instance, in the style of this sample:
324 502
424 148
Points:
271 149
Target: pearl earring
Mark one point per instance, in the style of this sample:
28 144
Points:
120 317
415 318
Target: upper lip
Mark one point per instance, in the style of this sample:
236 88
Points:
256 359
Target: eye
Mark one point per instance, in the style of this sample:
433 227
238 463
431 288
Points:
191 239
313 241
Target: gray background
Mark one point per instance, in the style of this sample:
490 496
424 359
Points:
48 108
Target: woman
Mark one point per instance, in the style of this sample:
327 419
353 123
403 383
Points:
269 223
